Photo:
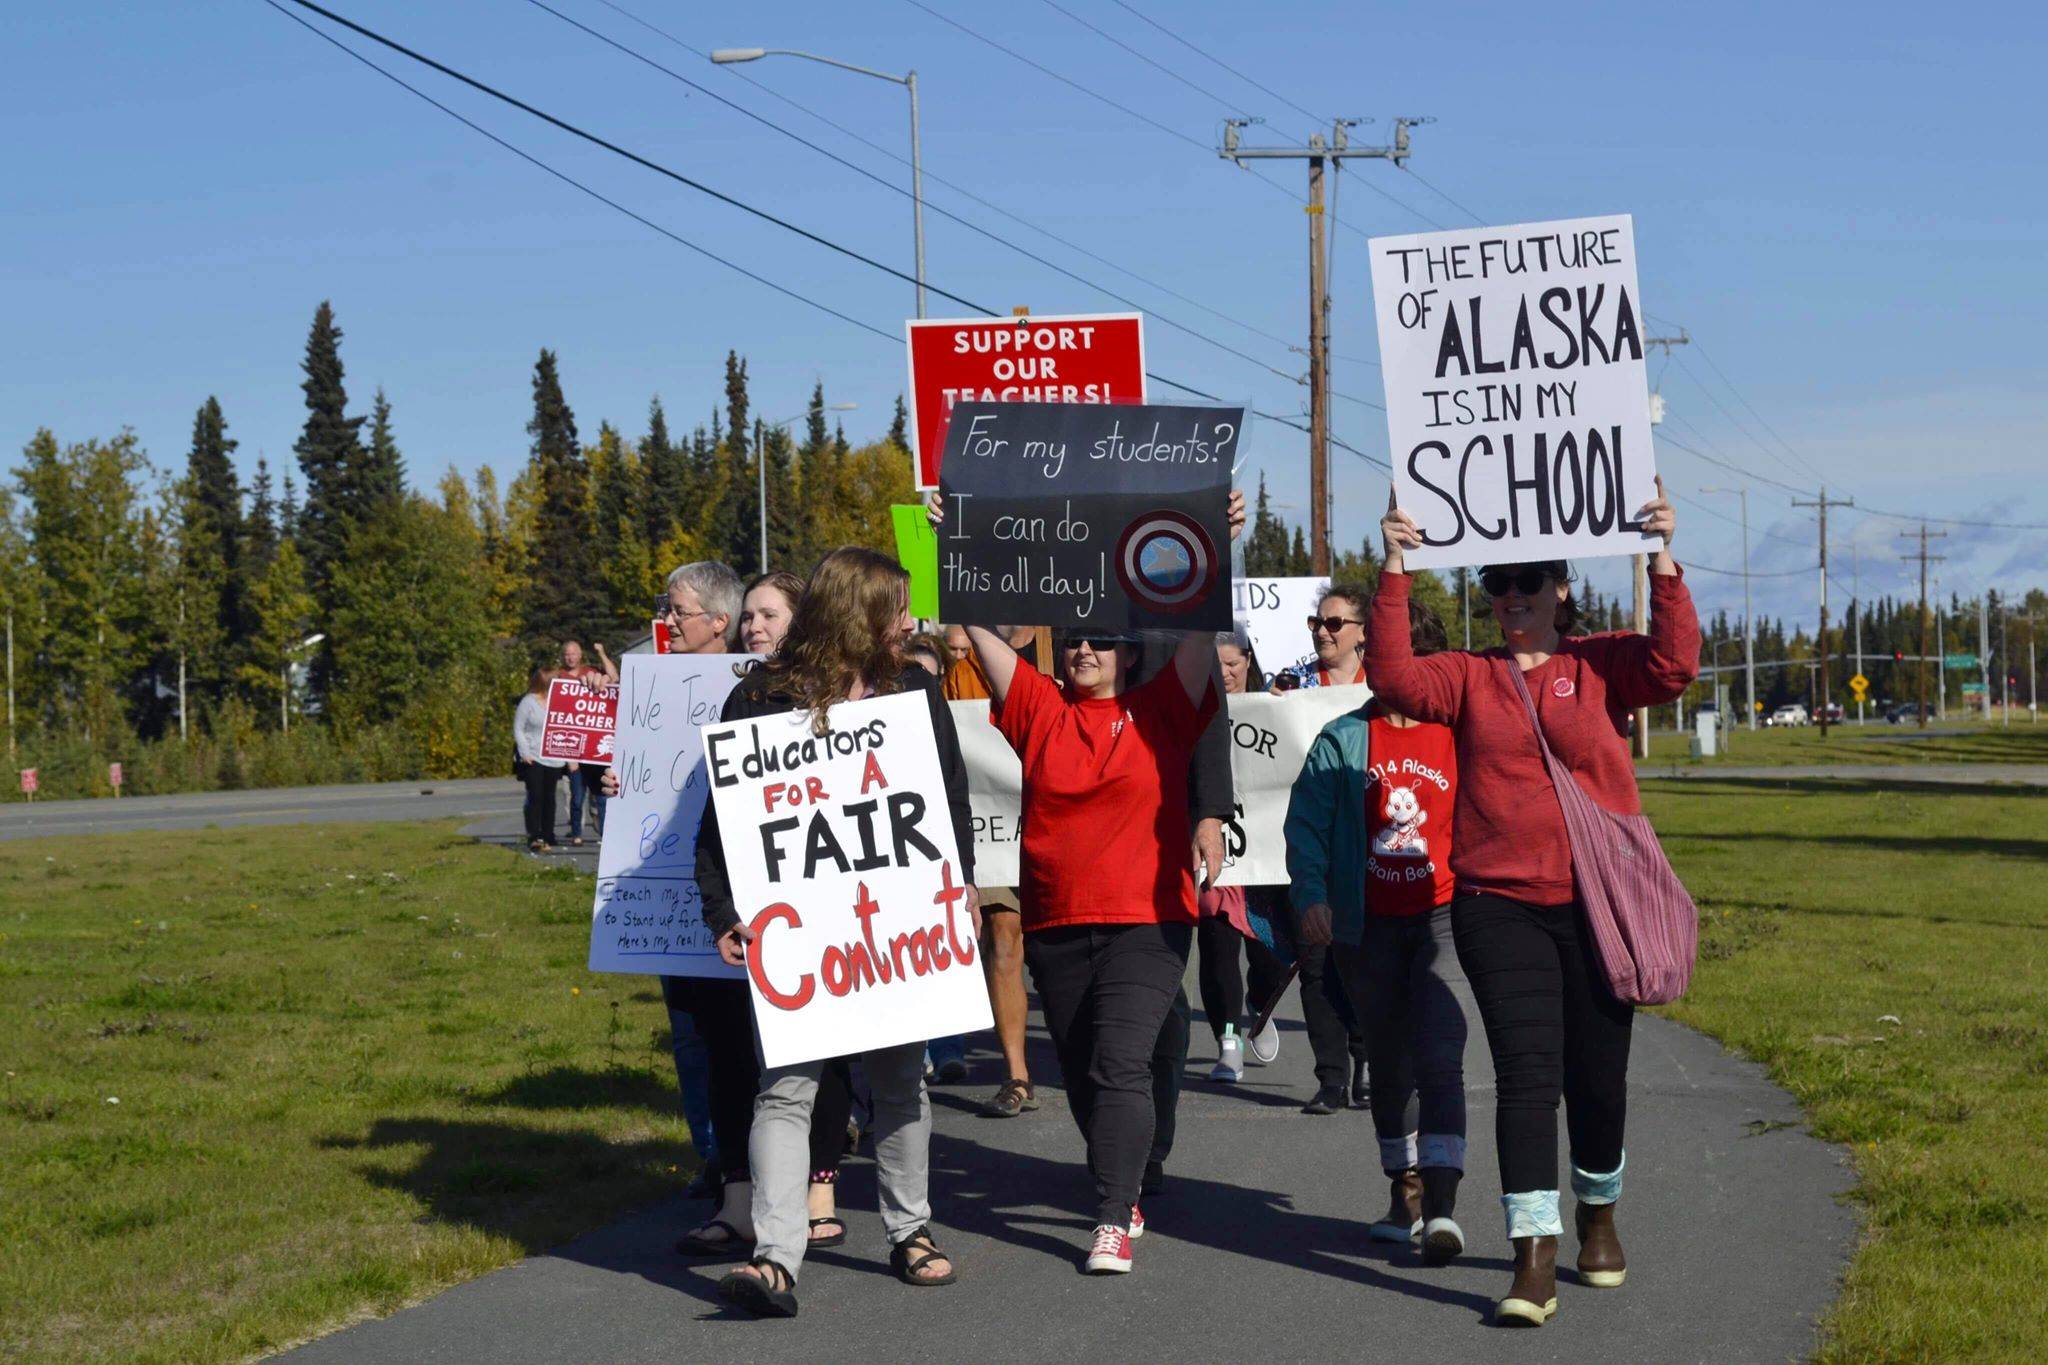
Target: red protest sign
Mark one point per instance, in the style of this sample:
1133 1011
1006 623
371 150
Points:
114 776
1076 358
28 781
580 721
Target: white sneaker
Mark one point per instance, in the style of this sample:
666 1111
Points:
1265 1045
1230 1058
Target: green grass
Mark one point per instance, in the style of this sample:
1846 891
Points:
353 1065
1884 951
1947 742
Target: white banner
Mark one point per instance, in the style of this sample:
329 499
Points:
648 916
1269 739
1273 613
843 861
1518 408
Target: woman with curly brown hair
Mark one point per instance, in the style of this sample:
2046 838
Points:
845 643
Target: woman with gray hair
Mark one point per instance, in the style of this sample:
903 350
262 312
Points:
703 613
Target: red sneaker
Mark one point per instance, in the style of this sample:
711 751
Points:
1137 1223
1110 1252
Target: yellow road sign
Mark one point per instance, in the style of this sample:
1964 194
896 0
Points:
1859 685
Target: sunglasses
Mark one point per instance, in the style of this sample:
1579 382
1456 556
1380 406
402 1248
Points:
1332 624
1101 644
1496 582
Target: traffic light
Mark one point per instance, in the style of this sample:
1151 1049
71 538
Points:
1898 656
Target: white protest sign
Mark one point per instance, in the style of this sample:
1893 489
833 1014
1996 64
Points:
1518 410
843 861
1269 739
1273 613
648 916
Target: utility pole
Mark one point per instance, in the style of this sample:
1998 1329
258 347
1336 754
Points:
10 684
1825 683
1925 559
1316 152
1856 614
1984 649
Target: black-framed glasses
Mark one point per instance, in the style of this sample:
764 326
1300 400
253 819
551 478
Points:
1332 624
1101 644
1527 582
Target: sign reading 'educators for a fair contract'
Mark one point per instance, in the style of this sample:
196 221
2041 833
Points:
648 916
1518 408
843 862
1067 514
1074 358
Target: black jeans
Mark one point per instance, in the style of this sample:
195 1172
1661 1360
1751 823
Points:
1554 1028
1403 972
1334 1033
1221 973
541 782
724 1016
1107 990
1169 1064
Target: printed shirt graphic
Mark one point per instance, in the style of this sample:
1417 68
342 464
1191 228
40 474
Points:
1410 792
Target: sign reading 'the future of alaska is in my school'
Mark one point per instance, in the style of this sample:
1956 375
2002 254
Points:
1518 408
1073 358
1071 514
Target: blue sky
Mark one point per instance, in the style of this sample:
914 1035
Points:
1848 215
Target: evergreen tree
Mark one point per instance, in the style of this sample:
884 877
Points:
210 546
281 607
1298 561
785 508
817 487
288 514
565 598
666 473
899 427
260 531
382 482
736 406
618 491
330 455
1265 545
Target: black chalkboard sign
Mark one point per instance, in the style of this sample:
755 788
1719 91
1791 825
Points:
1087 514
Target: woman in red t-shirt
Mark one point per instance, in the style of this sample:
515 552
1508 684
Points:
1106 888
1554 1027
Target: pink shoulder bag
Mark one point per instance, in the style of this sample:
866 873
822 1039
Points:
1645 925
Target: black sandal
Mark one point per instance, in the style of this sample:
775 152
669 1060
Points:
770 1294
904 1261
830 1239
695 1243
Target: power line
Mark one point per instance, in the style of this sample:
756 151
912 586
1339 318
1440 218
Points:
1218 61
1751 407
898 189
1731 467
954 186
1446 198
577 184
1742 427
1201 90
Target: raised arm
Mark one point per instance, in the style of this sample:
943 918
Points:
1195 658
611 668
1648 670
1425 689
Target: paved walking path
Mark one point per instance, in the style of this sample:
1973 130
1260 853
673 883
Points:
1735 1232
425 800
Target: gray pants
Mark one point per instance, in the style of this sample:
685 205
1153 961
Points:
780 1150
1404 980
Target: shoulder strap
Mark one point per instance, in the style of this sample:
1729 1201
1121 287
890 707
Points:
1529 704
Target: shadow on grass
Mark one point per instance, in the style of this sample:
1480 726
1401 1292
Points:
577 1087
1705 781
1958 845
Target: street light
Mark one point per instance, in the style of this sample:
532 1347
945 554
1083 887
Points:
284 696
728 56
1748 632
761 455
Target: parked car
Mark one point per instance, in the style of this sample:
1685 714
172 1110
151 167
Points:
1791 713
1831 713
1908 713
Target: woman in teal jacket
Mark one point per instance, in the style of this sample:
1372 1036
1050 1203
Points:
1383 904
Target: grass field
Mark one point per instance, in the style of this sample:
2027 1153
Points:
1885 953
1947 742
261 1083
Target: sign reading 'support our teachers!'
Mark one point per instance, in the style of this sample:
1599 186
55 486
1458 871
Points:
1518 410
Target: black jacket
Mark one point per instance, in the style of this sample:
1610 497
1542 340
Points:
1211 794
756 697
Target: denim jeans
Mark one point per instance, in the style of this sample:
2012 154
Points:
693 1078
1404 979
586 781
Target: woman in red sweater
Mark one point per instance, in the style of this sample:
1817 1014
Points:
1553 1026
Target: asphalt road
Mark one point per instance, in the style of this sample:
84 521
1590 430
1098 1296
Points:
472 797
1733 1222
1897 774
